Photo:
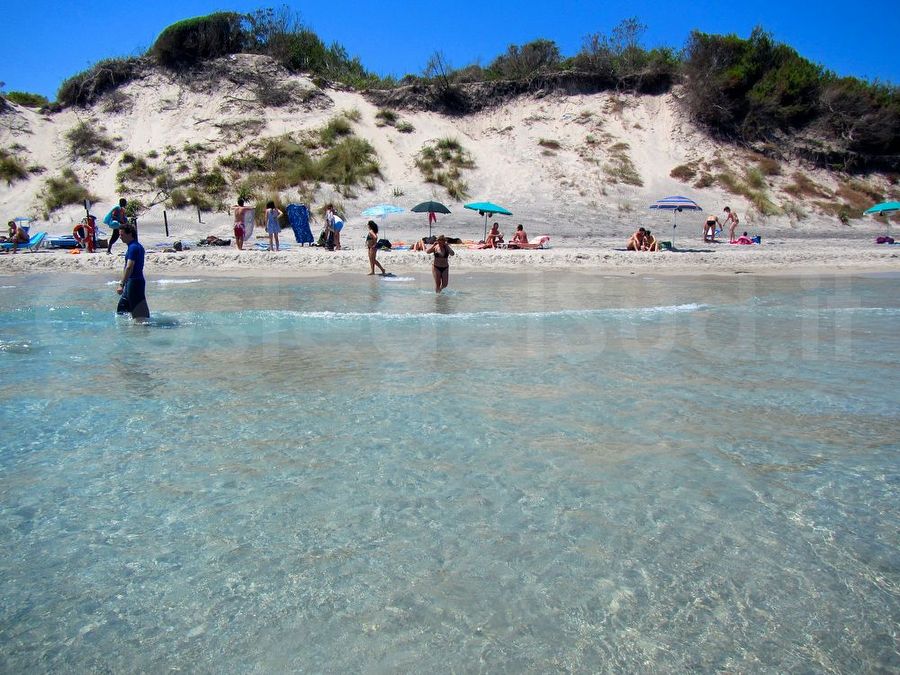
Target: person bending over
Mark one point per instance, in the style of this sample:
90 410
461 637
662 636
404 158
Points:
650 243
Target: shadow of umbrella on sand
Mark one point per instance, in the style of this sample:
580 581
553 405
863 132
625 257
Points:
676 205
430 208
886 208
487 209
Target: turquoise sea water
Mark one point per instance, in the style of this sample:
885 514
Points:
534 472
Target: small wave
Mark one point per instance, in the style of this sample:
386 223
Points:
7 286
164 282
398 279
470 316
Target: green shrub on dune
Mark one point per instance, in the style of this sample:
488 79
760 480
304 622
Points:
188 42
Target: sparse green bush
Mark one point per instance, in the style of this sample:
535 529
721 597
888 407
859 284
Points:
349 162
337 127
550 143
526 61
804 187
683 172
405 127
769 166
193 40
386 117
620 168
11 168
442 165
64 190
86 141
27 99
87 87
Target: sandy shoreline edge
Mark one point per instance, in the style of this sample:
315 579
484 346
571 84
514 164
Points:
831 256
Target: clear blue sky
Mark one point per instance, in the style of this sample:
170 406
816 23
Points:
48 41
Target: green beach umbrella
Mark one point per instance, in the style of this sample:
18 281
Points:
430 207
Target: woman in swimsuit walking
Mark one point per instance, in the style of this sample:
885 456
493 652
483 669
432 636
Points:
440 268
372 246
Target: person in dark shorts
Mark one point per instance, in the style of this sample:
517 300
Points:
132 286
114 219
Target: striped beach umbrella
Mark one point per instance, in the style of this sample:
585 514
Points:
675 205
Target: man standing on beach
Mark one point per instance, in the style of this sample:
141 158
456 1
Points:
239 211
132 287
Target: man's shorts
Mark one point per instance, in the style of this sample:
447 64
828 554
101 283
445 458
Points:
133 301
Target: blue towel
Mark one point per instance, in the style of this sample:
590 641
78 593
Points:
298 217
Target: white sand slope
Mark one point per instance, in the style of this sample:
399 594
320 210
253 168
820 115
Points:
555 161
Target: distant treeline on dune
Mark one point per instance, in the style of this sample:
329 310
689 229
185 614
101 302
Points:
752 90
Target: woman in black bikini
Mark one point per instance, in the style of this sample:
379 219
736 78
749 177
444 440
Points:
372 246
440 268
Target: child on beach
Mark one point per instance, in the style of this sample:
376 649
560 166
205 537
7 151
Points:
273 227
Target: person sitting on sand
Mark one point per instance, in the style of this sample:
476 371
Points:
709 229
734 220
636 242
650 242
17 235
744 240
494 237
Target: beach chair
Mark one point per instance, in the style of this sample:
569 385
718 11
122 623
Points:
33 243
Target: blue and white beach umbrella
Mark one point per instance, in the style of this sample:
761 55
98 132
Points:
675 205
382 211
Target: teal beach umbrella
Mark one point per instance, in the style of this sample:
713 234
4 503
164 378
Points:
487 209
884 208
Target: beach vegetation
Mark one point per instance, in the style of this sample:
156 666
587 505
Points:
386 117
768 166
621 62
335 129
188 42
27 99
803 187
442 163
549 143
12 168
684 172
63 190
752 187
620 168
87 87
117 101
351 161
528 60
85 140
758 89
351 114
405 127
793 210
705 180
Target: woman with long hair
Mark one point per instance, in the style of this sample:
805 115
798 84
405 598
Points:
440 267
372 246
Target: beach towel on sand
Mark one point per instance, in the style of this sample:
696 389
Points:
298 217
249 222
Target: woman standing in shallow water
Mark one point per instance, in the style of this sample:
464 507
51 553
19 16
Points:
440 268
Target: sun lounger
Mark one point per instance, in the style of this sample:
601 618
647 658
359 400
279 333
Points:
542 241
32 245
